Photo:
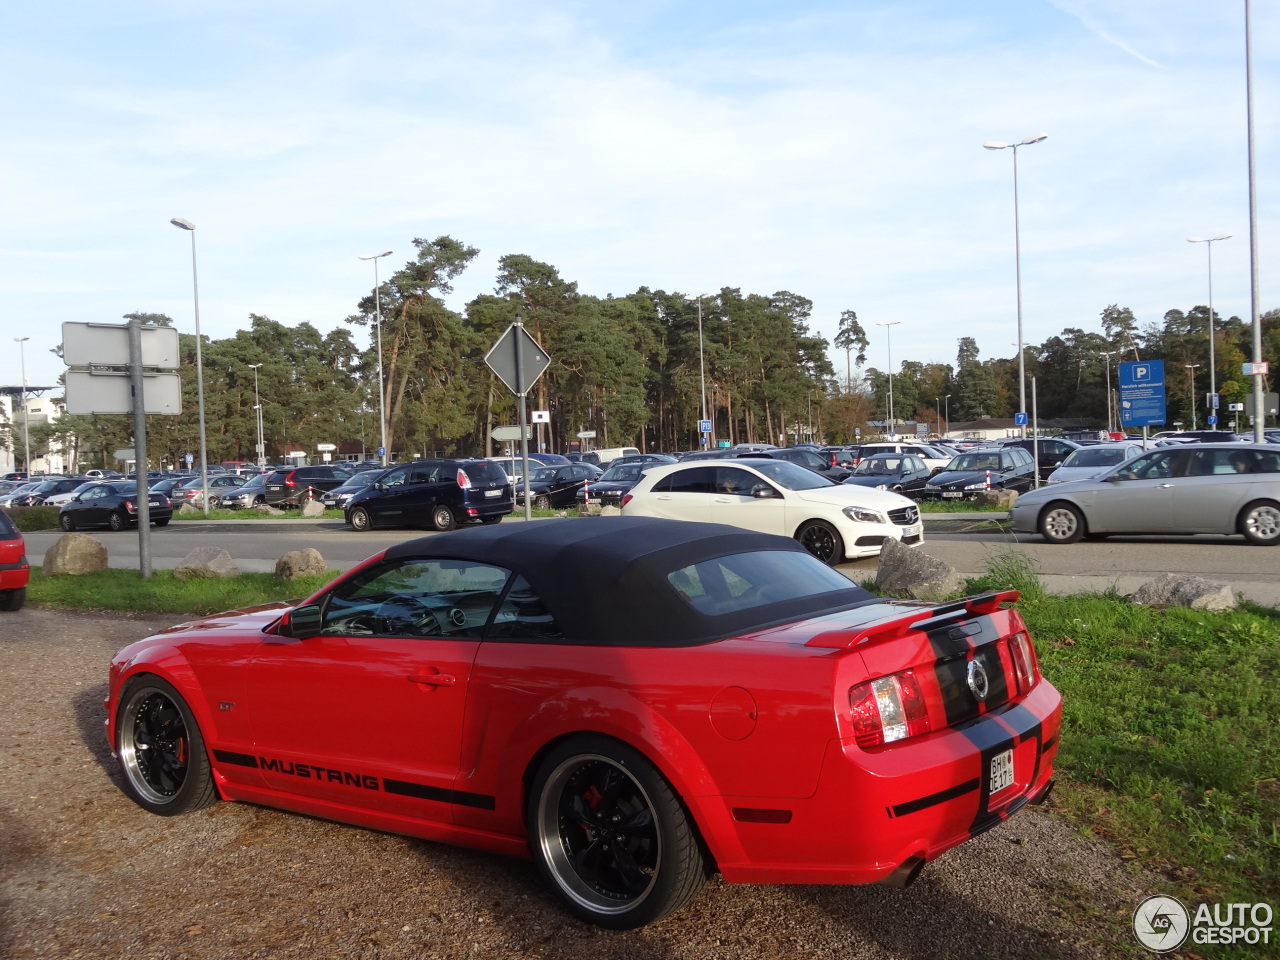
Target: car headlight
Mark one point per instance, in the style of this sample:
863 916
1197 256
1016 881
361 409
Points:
976 486
881 486
863 515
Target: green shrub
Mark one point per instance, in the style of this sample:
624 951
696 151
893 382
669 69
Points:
27 519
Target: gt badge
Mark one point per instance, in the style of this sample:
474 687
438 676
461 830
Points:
978 683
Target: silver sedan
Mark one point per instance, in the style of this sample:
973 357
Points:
1222 488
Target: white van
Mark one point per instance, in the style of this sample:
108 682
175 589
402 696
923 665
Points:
606 455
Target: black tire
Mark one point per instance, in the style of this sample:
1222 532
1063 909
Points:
494 519
442 518
610 836
166 769
896 488
823 541
1061 522
360 520
259 500
12 600
1260 523
116 522
542 502
162 523
66 522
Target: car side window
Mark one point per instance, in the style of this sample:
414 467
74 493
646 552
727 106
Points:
1154 466
416 598
424 473
1207 463
1266 461
522 616
697 480
735 482
396 478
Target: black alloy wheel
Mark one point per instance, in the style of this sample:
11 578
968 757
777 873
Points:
166 769
823 541
116 522
67 522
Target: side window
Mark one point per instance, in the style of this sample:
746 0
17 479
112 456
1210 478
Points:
1154 466
416 598
424 473
523 616
736 482
697 480
581 473
1267 461
396 478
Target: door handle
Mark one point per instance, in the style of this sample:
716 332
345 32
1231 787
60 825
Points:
1166 486
433 679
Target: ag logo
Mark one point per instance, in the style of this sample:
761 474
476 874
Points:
1161 923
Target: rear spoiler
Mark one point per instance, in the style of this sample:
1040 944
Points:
928 618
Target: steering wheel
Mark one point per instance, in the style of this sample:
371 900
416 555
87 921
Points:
407 616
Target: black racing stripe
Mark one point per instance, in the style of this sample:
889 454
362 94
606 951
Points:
933 799
1048 744
421 791
236 759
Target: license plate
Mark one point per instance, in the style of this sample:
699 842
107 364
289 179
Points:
275 489
955 494
1000 776
493 493
913 531
154 503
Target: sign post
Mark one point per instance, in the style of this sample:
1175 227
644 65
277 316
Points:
518 361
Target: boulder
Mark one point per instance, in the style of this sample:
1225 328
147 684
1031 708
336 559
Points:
74 554
911 573
189 508
588 509
996 498
311 508
609 510
300 563
208 563
267 508
1185 590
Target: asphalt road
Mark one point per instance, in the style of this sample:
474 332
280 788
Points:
1122 562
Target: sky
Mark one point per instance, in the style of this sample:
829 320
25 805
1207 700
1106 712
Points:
831 149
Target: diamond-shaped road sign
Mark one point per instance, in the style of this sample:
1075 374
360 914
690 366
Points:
502 359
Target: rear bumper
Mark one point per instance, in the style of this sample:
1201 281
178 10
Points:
14 576
876 810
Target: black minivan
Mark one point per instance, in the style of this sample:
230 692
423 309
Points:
432 493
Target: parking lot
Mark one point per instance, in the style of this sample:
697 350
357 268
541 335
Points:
86 874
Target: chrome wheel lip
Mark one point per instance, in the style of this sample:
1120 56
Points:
559 858
133 755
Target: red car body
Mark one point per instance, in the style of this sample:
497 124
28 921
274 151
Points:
14 569
772 738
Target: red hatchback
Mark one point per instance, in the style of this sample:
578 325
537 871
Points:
635 704
14 569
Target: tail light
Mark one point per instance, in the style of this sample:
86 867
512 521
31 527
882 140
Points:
463 480
624 501
128 505
1024 664
888 709
289 481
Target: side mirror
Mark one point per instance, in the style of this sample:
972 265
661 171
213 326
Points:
302 622
762 492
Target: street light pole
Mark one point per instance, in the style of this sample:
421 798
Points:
382 403
26 417
1213 372
257 415
888 337
1017 259
1106 354
947 401
702 366
195 289
1191 382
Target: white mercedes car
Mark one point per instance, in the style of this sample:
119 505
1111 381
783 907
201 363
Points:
835 522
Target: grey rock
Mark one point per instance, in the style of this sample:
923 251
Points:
908 572
300 563
74 554
312 508
609 510
208 563
267 508
588 509
189 508
996 498
1184 590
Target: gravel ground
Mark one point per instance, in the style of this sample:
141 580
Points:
84 873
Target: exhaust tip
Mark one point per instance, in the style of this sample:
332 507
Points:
905 874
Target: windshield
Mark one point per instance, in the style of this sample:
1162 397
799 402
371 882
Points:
363 478
878 466
623 471
1098 457
542 473
975 461
790 476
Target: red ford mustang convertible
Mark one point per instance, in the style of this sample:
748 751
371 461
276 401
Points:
633 702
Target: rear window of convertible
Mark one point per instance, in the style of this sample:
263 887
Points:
741 581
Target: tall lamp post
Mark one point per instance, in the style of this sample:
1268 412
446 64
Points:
382 403
1106 355
195 289
257 415
888 337
947 408
1017 259
702 366
1213 372
26 416
1191 385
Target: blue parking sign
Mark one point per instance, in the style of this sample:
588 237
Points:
1142 397
1020 419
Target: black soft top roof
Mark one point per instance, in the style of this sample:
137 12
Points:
605 580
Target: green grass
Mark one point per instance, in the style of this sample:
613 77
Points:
952 506
1171 731
251 515
165 593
